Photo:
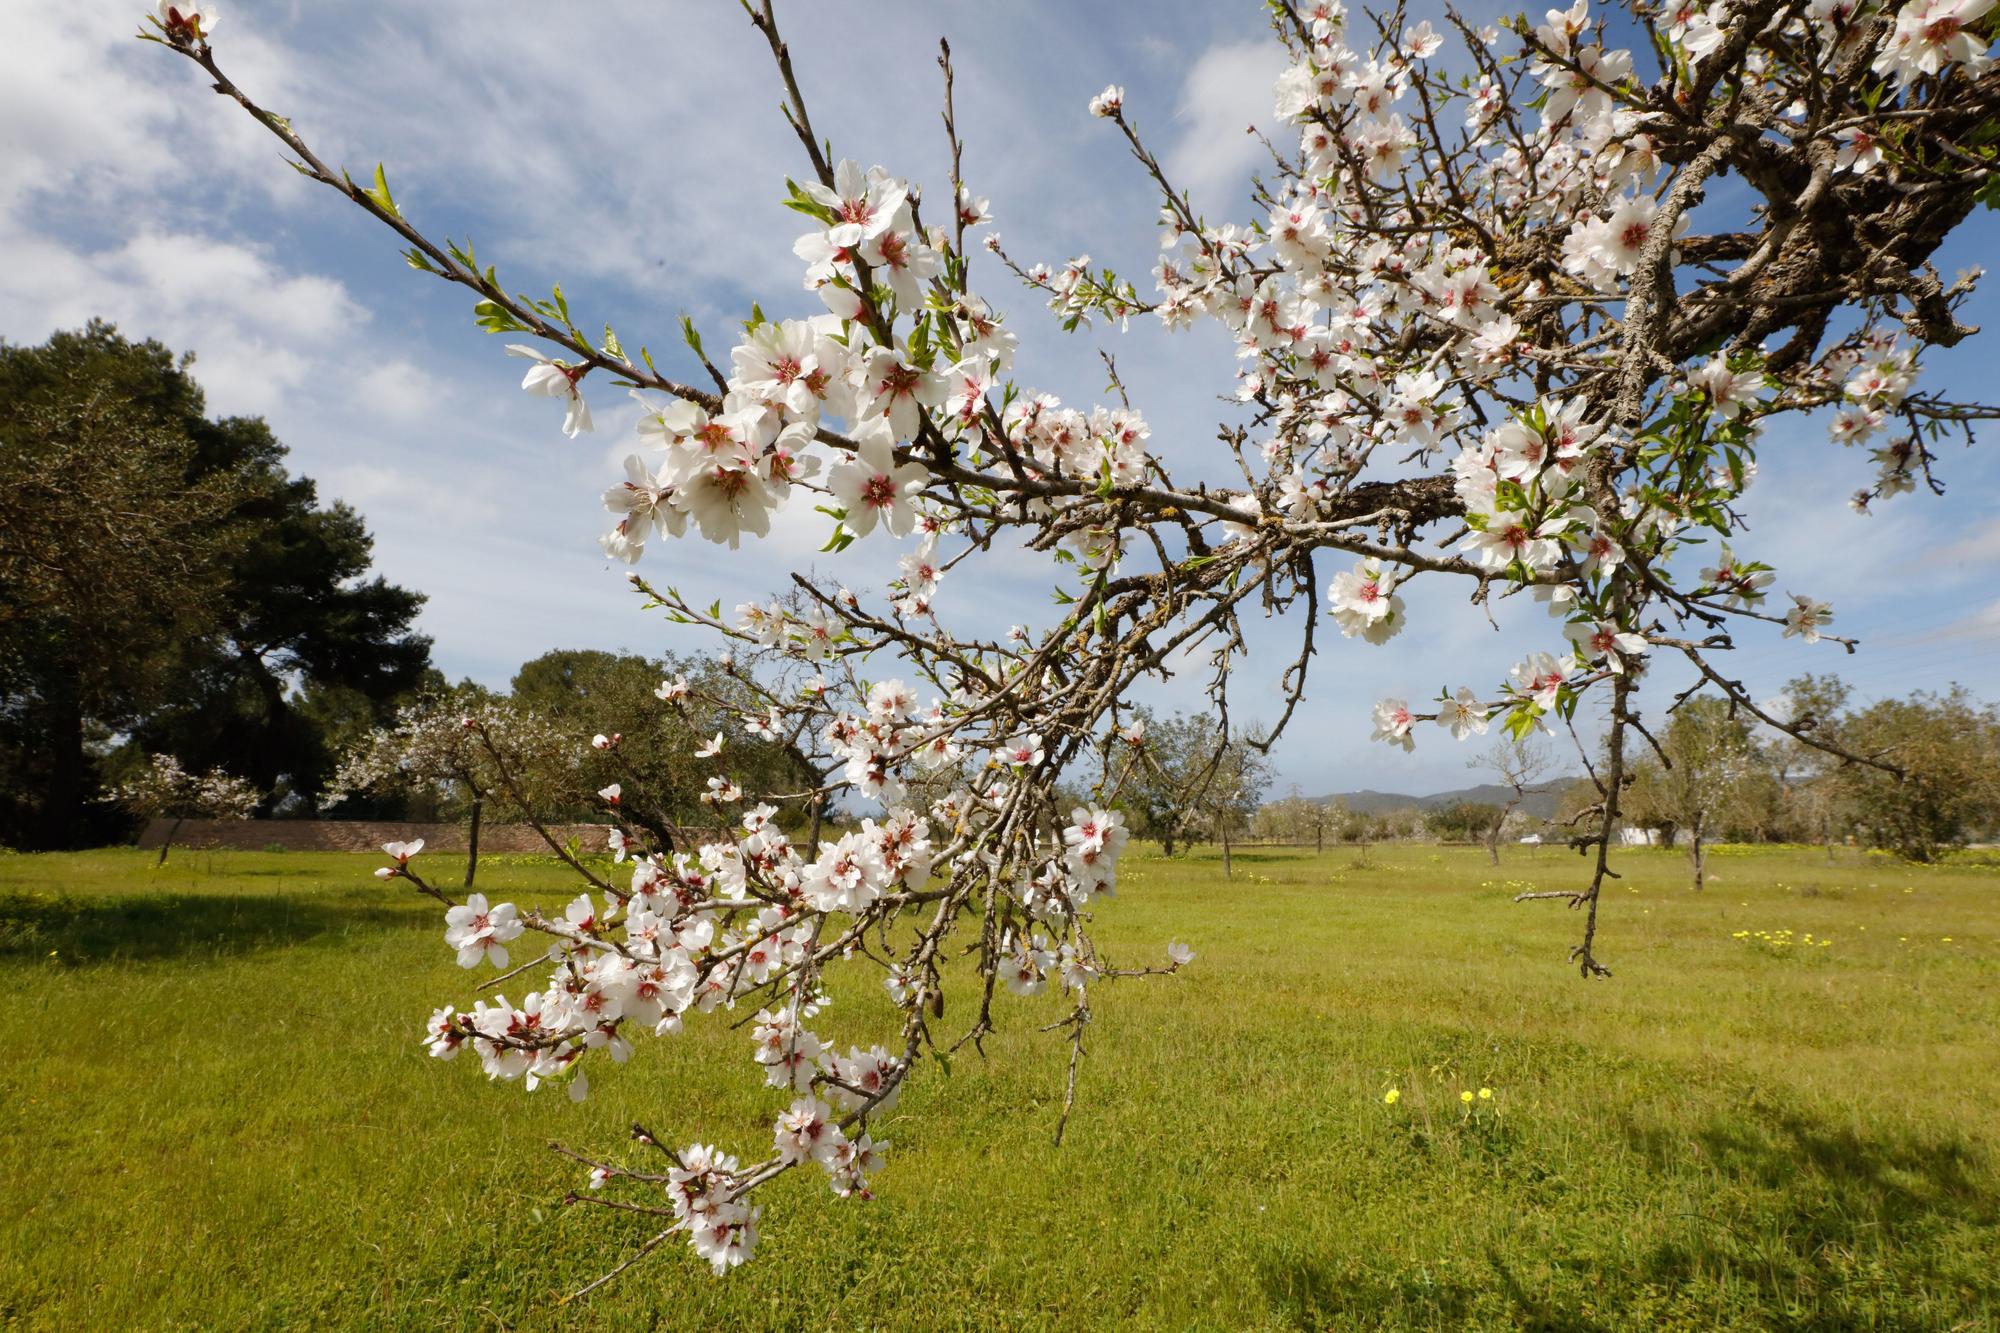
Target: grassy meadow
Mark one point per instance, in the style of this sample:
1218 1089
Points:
218 1113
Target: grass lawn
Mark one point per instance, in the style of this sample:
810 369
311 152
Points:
218 1113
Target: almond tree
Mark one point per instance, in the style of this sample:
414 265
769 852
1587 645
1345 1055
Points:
475 752
1490 331
1706 758
165 790
1519 763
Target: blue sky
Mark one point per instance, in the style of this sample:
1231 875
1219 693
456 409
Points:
634 153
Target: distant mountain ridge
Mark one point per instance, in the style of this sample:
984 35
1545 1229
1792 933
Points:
1540 803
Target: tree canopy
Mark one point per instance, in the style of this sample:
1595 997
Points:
167 587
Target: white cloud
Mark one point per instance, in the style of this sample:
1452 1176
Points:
1227 91
260 332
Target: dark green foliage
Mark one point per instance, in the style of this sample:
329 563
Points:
167 586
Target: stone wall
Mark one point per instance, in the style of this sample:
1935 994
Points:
350 835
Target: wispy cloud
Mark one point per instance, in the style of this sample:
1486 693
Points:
1227 92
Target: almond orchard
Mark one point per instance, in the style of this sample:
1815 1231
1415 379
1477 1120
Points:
1488 328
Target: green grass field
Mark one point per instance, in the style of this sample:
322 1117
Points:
219 1115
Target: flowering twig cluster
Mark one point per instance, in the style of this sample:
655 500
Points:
1487 327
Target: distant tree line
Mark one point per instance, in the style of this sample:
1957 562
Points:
1716 777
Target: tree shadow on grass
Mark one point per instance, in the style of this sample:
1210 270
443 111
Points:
1310 1293
1773 1211
148 927
1317 1294
1816 1204
1243 856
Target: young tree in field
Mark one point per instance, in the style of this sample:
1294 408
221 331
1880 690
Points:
1518 762
1489 330
1295 818
1187 778
165 790
473 753
1465 821
1811 802
1947 747
1233 789
1705 759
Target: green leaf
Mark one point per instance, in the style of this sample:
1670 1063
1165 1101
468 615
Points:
380 194
495 318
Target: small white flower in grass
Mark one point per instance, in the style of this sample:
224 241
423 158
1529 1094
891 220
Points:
598 1175
553 379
